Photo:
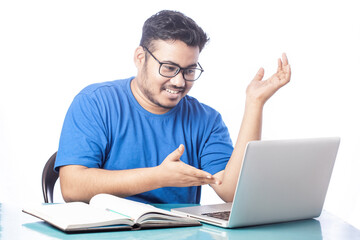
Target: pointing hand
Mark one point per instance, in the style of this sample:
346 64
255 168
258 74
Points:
176 173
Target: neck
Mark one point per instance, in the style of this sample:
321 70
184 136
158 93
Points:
144 101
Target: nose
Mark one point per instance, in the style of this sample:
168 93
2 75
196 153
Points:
178 80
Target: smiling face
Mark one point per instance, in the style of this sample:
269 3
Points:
155 93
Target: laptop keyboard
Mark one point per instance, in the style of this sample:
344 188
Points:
221 215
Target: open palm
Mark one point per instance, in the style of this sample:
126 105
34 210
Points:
261 90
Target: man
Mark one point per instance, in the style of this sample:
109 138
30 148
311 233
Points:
144 138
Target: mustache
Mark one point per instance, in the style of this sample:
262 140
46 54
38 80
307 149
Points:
173 87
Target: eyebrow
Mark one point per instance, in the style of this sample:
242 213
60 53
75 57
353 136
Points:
194 65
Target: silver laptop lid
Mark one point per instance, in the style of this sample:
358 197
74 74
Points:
283 180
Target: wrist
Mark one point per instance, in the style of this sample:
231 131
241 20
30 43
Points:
157 177
251 103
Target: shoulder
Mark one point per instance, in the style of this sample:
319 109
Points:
115 85
110 92
102 97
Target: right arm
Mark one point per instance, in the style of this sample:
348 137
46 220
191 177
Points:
80 183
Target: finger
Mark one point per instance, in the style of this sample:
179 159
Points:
259 75
217 181
212 182
181 149
199 174
204 181
175 155
285 59
192 176
288 70
279 65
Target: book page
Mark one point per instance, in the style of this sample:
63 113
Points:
75 215
124 206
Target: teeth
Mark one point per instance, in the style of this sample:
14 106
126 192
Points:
171 91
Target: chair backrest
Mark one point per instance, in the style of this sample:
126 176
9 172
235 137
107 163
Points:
49 177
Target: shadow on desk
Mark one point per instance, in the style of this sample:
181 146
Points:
306 229
162 233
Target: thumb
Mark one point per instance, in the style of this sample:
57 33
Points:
175 155
259 75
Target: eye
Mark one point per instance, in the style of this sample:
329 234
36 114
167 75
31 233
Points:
169 68
190 71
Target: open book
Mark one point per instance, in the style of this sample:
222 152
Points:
107 212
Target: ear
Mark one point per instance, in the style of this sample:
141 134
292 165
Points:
139 57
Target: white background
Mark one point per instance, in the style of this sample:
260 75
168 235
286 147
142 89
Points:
50 50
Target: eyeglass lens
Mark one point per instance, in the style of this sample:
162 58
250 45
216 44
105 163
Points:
169 70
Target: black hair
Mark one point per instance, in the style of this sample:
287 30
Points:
172 25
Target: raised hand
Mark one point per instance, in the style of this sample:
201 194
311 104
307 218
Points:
175 173
261 90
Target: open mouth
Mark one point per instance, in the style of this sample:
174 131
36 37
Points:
172 91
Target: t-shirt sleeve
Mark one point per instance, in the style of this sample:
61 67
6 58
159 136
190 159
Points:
83 138
217 148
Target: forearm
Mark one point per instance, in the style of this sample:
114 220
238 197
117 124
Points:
250 130
257 93
79 183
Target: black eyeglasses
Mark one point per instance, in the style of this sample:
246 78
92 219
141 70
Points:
171 70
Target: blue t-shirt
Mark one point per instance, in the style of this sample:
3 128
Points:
105 127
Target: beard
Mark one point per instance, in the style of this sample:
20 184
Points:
149 92
150 96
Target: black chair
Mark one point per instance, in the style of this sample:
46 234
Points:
49 177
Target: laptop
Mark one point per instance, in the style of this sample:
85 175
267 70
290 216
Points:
280 181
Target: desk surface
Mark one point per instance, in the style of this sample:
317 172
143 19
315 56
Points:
17 225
